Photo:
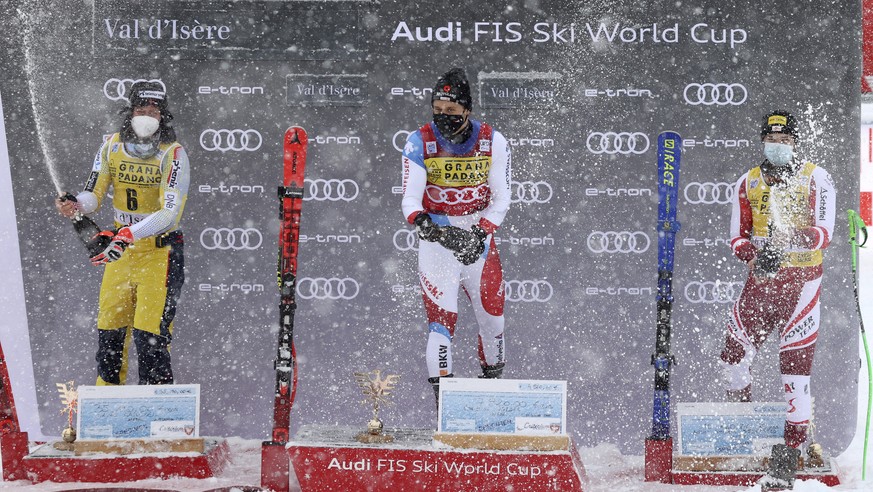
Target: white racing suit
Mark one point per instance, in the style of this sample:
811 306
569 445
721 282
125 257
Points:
462 185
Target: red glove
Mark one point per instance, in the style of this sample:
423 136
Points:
119 242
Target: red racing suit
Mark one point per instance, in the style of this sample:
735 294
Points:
797 214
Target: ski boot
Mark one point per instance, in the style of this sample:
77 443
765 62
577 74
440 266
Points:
782 469
435 383
492 372
741 395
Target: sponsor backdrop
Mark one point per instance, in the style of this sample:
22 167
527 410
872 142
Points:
580 91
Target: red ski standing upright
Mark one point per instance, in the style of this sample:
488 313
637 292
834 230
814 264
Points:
274 459
291 197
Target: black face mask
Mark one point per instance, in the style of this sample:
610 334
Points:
449 124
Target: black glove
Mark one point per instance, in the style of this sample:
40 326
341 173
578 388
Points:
427 230
468 246
768 260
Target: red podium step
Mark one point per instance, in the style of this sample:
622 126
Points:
46 463
326 458
828 475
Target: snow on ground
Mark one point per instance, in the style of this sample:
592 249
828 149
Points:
607 469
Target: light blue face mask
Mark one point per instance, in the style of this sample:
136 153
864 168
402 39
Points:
141 150
778 154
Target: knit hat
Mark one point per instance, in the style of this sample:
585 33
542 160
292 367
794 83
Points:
453 86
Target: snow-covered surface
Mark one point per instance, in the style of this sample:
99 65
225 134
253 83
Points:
607 469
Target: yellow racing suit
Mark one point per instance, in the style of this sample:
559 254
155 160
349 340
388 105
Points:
139 292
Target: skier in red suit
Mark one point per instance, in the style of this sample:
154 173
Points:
782 220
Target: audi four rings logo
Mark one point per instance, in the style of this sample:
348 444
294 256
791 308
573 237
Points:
617 143
709 193
406 240
227 238
528 291
713 292
225 140
332 190
715 94
618 242
328 288
454 196
116 89
531 192
399 144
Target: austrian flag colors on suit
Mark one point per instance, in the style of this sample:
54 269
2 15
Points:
788 303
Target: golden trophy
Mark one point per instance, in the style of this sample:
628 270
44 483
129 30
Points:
814 453
70 400
377 391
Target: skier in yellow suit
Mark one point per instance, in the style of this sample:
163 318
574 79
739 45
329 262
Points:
144 264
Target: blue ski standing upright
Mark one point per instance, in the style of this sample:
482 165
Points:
659 444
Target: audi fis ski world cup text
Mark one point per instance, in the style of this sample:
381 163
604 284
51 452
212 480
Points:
552 32
453 468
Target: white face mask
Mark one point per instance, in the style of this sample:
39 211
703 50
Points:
144 126
778 154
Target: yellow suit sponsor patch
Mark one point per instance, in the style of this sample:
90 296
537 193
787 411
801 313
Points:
458 171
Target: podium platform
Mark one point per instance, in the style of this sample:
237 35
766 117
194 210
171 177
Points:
46 463
328 458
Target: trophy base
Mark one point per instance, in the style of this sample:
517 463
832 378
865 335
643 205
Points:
64 446
367 438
